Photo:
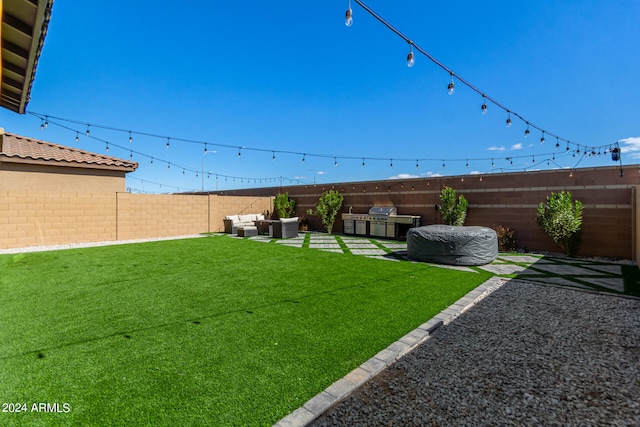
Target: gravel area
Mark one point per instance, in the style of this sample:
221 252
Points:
527 354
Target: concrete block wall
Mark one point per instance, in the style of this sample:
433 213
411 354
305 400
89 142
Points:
160 215
610 217
35 218
39 218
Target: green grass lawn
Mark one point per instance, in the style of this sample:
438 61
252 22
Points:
208 331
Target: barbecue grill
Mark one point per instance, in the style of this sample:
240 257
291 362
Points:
380 221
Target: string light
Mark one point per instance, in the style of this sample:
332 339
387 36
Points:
107 145
77 137
509 119
542 138
589 151
335 161
348 16
239 152
130 138
484 105
527 131
273 156
391 163
410 57
303 157
452 86
88 133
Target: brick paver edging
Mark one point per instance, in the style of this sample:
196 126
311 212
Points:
342 388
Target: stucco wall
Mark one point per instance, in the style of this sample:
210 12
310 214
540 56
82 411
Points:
14 176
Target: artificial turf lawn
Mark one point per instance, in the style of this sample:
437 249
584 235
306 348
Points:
208 331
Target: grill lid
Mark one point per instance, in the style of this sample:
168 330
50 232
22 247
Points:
383 211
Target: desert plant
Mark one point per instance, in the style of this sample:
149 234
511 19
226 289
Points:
283 205
507 241
327 208
453 210
561 219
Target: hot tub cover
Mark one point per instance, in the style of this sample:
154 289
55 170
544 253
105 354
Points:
447 244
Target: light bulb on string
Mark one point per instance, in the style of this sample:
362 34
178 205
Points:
169 165
509 119
363 162
417 164
443 165
451 88
410 57
527 131
77 137
131 155
335 162
41 124
152 160
493 165
130 138
46 122
484 105
303 157
239 152
168 143
88 132
557 143
348 16
542 138
273 156
107 145
467 165
391 163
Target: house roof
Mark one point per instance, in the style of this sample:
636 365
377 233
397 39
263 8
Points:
23 30
20 149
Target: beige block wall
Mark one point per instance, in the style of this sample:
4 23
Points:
38 218
34 218
143 216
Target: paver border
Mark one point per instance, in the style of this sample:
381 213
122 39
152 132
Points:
344 387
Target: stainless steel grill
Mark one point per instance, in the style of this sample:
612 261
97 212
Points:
382 221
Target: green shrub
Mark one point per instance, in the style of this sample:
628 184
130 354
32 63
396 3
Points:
453 210
507 241
283 205
561 219
327 208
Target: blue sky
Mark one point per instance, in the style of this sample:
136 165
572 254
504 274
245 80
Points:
289 80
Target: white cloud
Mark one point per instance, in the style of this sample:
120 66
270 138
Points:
430 174
403 176
494 148
517 146
475 173
322 173
631 145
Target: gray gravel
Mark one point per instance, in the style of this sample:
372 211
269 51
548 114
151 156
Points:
526 355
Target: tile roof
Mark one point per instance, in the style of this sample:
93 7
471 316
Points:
20 149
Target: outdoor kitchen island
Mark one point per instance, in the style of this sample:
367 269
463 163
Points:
380 221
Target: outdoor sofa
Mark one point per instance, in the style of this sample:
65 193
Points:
233 222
